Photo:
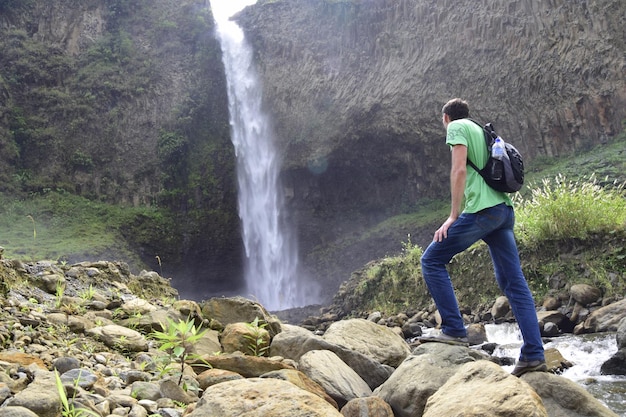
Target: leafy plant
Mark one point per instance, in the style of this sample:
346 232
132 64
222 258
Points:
88 293
60 291
178 339
258 345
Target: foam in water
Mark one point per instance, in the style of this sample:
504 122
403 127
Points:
271 272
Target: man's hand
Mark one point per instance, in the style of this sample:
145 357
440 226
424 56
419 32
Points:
442 232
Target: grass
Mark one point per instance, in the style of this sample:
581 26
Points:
572 209
60 226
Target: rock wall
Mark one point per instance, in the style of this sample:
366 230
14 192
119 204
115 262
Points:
125 102
356 89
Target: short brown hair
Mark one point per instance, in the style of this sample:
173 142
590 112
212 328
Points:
456 109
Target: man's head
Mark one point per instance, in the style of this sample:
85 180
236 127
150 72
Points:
455 109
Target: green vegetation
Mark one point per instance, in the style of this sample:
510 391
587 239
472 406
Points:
566 209
259 338
56 225
178 339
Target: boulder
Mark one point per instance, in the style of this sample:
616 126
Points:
605 319
621 334
585 294
215 376
16 411
334 376
615 365
377 342
245 365
41 396
483 388
299 379
368 406
226 310
119 337
294 341
555 317
244 338
208 344
261 397
420 376
500 308
564 398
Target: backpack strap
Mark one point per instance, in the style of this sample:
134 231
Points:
487 137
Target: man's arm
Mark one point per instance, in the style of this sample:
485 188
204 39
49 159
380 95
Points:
458 174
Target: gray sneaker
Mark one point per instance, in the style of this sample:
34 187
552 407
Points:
444 338
523 367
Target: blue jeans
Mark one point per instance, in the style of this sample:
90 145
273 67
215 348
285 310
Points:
493 225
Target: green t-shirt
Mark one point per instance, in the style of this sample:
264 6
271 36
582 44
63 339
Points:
478 195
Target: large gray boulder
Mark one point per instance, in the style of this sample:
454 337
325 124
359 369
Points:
606 319
373 340
616 365
293 342
483 388
41 396
420 376
332 374
256 397
564 398
227 310
120 337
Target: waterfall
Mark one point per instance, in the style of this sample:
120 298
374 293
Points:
271 266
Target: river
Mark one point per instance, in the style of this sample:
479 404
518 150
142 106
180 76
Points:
587 354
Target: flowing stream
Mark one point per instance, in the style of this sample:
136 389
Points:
271 266
586 352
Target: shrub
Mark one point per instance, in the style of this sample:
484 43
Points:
569 209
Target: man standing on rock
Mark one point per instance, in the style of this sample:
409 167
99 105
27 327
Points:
488 215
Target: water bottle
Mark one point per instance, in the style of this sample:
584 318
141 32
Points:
497 153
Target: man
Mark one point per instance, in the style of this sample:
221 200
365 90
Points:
478 212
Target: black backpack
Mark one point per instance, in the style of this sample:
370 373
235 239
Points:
511 166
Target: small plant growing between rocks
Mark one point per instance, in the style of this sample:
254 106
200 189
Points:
67 407
60 291
258 343
88 294
178 339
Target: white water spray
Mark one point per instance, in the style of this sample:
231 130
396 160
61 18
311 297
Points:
271 270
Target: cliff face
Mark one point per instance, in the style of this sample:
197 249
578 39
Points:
356 88
125 102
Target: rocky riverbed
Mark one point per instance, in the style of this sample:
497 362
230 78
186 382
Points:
90 339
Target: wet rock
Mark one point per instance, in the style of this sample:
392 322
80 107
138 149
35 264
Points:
564 397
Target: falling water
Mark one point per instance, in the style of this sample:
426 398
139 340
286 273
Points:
271 271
